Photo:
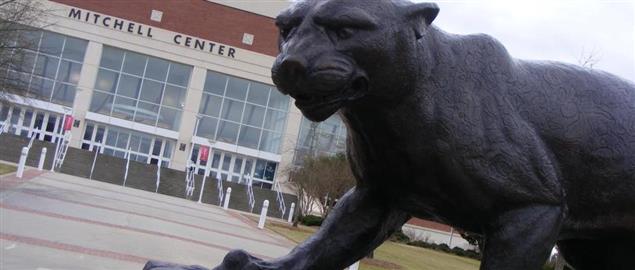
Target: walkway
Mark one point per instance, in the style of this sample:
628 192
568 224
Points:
52 221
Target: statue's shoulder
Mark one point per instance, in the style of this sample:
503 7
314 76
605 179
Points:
479 44
486 44
473 51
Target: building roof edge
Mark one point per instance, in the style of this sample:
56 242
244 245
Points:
268 8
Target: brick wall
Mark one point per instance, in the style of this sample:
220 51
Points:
140 175
198 18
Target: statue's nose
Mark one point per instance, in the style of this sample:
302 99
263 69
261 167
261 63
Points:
286 73
293 66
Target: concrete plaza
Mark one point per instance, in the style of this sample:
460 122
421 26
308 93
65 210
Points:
57 221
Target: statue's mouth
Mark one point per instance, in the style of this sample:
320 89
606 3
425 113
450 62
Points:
319 104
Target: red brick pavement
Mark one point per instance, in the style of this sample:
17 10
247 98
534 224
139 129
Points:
72 248
116 226
11 181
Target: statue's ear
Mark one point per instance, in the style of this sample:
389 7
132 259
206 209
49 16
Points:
418 14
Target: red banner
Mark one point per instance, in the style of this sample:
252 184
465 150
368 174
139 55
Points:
204 153
68 122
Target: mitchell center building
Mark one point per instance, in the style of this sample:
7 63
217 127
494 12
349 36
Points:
168 81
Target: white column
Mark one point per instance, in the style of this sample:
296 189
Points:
84 93
188 119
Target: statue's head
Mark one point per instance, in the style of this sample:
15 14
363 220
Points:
337 52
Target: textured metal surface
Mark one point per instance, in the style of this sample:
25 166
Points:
451 128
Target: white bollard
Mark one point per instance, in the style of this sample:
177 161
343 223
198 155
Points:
355 266
57 149
22 163
40 165
290 218
200 195
263 214
228 195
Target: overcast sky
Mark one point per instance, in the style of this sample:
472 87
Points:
551 30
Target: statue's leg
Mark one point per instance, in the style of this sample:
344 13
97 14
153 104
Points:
159 265
588 254
521 239
359 223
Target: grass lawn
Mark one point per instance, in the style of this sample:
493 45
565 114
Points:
390 255
6 168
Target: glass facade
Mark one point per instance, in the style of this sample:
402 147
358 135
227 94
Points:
324 138
234 167
140 88
152 91
50 66
117 141
242 112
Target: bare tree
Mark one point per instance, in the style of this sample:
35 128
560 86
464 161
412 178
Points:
322 180
589 58
305 201
19 20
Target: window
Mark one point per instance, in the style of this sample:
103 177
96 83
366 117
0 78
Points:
325 138
235 168
242 112
50 66
26 121
119 142
140 88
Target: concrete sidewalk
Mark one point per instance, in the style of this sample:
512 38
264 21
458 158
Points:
57 221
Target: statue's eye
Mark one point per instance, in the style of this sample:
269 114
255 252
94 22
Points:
344 32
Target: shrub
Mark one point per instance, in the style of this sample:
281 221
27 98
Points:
399 237
311 220
445 248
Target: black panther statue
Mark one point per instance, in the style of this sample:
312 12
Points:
451 128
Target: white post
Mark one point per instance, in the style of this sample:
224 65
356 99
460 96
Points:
200 195
263 214
57 149
290 218
31 142
92 168
228 195
158 176
40 165
125 176
451 236
354 266
281 205
23 154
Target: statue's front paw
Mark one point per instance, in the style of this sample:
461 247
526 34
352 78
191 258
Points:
158 265
241 260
